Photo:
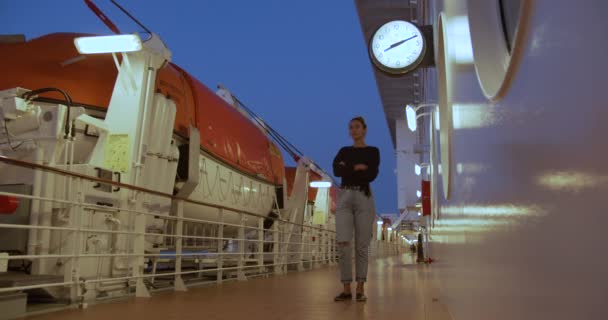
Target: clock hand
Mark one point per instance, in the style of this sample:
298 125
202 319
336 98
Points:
396 44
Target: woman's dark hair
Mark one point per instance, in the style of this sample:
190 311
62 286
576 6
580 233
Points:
361 120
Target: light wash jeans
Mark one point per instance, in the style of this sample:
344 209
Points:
356 213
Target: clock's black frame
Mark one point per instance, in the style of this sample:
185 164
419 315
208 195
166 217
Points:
426 59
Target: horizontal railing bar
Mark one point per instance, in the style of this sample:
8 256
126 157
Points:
26 226
157 255
36 286
84 282
18 226
158 275
88 206
27 196
36 166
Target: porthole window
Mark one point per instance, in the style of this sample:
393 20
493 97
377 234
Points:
498 29
509 17
444 79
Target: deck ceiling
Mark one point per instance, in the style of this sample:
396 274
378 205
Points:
395 92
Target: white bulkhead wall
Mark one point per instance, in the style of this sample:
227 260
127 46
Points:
522 236
407 180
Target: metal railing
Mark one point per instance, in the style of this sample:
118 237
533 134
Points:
186 250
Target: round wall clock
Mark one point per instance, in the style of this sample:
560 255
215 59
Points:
397 47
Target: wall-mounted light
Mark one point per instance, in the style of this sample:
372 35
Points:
412 117
380 223
418 168
320 184
390 229
418 193
437 122
419 213
108 44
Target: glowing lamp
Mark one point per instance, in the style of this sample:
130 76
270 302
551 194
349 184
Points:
320 184
108 44
418 193
380 223
437 122
411 117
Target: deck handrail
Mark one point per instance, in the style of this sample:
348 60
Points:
36 166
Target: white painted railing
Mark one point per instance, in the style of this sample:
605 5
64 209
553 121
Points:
187 257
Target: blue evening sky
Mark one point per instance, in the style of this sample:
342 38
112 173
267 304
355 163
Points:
301 65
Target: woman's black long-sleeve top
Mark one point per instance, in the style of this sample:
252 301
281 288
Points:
348 157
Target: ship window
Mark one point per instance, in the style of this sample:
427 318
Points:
509 14
497 29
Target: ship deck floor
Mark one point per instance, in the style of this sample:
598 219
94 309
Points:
397 288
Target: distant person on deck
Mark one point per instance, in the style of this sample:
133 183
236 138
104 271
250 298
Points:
357 165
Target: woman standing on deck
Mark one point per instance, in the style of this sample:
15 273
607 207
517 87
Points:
357 165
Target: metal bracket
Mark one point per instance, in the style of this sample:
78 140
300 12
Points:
179 284
193 155
141 291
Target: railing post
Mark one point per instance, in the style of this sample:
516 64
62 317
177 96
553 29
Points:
322 253
276 247
330 247
241 261
220 246
141 291
318 248
179 284
72 273
334 249
260 244
321 246
304 243
326 246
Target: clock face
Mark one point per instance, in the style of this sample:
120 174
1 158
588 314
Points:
397 47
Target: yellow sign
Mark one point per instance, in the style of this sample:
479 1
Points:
117 153
274 150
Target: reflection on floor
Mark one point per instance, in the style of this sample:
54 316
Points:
397 289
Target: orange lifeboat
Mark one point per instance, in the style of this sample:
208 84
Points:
52 60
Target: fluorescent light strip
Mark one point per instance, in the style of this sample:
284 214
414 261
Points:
320 184
108 44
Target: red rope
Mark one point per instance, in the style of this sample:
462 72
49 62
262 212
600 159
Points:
102 16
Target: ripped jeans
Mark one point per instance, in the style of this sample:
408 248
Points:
356 213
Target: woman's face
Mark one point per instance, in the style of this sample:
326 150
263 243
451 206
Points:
356 130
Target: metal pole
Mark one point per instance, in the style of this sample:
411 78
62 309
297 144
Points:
241 262
260 244
220 246
72 273
179 284
141 291
276 247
